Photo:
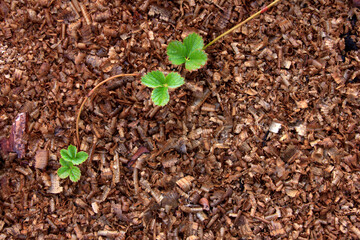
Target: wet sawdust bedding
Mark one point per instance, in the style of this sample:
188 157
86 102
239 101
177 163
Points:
261 143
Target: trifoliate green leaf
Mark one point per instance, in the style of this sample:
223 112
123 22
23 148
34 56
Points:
195 60
190 52
160 96
176 52
72 151
74 174
153 79
63 172
193 42
65 155
174 80
80 158
65 163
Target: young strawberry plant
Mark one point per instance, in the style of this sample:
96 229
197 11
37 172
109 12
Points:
189 52
161 85
69 158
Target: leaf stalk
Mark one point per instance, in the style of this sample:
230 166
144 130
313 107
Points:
242 23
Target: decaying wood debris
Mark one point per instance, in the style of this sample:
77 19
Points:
261 143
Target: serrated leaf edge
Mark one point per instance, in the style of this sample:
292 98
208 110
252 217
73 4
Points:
155 100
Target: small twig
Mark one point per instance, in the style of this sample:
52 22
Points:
138 153
262 219
136 180
257 218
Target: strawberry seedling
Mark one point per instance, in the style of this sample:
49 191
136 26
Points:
69 158
161 85
189 52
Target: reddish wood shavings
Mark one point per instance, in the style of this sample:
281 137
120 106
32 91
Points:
41 159
138 153
55 187
260 143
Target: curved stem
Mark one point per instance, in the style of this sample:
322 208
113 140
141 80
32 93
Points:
243 22
89 95
77 122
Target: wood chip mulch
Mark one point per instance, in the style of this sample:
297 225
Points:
261 143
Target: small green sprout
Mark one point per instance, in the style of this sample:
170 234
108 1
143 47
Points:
190 52
69 158
161 85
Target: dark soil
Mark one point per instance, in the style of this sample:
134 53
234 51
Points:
260 143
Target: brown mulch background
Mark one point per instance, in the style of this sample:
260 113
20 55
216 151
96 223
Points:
261 143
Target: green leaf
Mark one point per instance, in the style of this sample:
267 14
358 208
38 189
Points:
160 96
75 174
72 151
65 163
193 42
174 80
153 79
80 158
176 52
65 155
196 59
190 52
63 172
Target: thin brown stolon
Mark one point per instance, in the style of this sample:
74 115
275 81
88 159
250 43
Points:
242 23
89 95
